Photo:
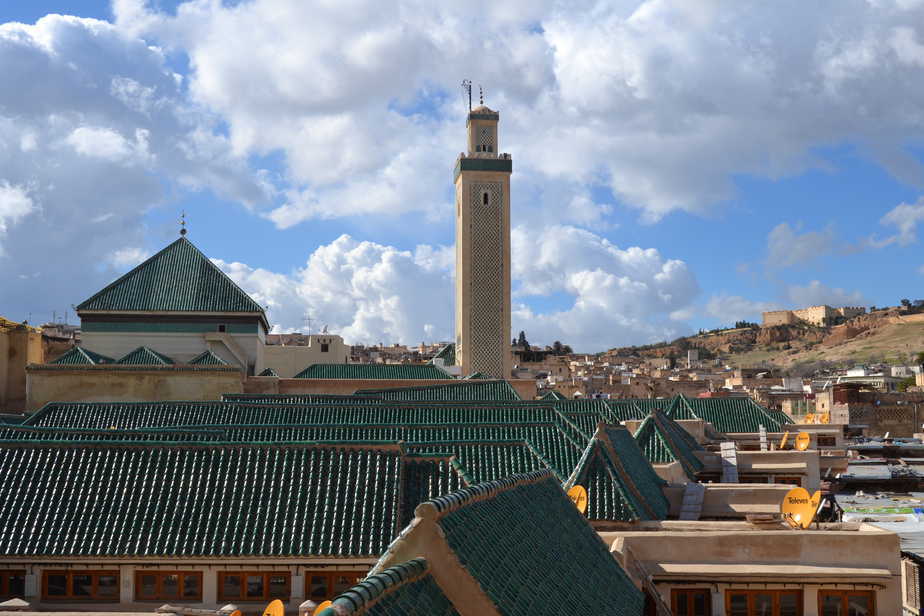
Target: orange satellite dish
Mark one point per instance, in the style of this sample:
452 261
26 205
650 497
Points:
578 496
275 608
235 613
798 508
803 440
321 608
809 418
825 418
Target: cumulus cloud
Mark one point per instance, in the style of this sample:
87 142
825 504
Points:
731 308
95 130
815 293
369 292
662 102
905 218
787 247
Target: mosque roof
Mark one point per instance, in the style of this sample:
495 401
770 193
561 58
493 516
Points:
179 278
458 391
207 358
663 440
144 356
79 356
373 371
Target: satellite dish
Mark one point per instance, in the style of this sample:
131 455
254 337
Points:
275 608
235 613
809 418
578 496
825 418
798 508
803 440
323 606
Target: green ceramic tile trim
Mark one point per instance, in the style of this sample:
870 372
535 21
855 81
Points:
372 371
663 441
530 550
167 327
79 356
407 589
179 278
143 356
207 358
738 414
460 391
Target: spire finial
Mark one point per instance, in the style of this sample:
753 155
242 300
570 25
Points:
183 223
467 88
480 95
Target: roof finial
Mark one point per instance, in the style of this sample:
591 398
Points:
480 95
183 223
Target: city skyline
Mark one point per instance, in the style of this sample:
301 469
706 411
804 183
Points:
730 166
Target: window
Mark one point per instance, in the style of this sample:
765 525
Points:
254 585
323 585
12 584
484 197
75 585
788 480
325 347
846 603
691 602
167 585
222 328
826 441
763 602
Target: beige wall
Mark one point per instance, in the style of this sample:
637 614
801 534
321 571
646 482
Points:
288 361
736 555
526 388
778 317
236 349
108 384
18 348
732 501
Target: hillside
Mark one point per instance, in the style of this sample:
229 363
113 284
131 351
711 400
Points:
885 336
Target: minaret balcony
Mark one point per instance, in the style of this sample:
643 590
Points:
483 161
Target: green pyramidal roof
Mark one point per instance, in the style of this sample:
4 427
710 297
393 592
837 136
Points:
179 278
79 356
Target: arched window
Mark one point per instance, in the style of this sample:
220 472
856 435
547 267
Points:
484 196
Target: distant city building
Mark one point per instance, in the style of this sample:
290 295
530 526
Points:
821 316
482 179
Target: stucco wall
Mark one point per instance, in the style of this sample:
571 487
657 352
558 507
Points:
105 384
180 347
288 361
18 348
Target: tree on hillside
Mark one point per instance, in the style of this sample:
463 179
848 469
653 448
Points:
522 341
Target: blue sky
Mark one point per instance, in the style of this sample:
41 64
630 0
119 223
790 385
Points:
676 167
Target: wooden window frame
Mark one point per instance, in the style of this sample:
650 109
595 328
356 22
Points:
776 592
5 575
330 579
69 585
788 480
690 591
159 596
243 575
846 593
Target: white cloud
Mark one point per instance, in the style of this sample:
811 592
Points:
128 257
905 218
731 308
815 293
97 130
663 102
787 247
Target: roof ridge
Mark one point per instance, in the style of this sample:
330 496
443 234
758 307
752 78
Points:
444 505
365 594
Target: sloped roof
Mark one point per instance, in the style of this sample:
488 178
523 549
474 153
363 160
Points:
111 499
528 549
207 358
458 391
79 356
179 278
372 371
406 589
620 482
143 356
663 441
268 372
553 395
735 414
447 354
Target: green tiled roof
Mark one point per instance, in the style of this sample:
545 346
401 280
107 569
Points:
179 278
33 433
79 356
143 356
12 418
447 354
299 398
268 372
620 482
488 460
372 371
212 500
529 549
553 395
459 391
737 414
133 415
407 589
207 358
663 441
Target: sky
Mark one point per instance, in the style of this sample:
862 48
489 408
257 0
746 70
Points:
677 165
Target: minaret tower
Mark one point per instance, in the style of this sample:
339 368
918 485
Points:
482 178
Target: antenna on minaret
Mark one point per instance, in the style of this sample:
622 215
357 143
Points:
467 88
480 95
183 223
